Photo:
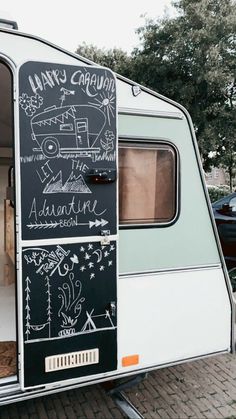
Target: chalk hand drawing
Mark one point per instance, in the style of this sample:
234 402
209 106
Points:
71 305
108 143
30 103
74 184
96 322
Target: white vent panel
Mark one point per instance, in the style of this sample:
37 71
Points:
71 360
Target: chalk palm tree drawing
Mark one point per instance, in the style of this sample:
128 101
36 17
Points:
71 304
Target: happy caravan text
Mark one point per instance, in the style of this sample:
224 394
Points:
91 82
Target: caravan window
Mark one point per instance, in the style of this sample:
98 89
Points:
66 127
147 183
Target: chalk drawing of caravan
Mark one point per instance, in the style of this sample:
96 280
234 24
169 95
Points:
65 129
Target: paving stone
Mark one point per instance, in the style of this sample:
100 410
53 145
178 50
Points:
200 389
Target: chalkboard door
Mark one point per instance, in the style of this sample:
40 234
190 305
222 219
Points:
68 229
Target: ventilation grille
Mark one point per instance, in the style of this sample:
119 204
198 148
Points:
71 360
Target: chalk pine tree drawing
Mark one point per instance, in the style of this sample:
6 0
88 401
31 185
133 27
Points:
27 308
49 307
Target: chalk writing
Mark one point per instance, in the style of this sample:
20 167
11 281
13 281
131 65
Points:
44 172
73 207
49 78
93 82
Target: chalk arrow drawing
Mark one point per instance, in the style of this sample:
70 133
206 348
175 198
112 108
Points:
97 223
54 224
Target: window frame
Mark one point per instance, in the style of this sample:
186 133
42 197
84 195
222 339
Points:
153 141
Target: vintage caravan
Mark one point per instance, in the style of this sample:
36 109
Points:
65 129
110 265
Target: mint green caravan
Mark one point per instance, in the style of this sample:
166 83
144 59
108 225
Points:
110 265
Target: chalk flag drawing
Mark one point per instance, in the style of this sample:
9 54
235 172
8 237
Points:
58 277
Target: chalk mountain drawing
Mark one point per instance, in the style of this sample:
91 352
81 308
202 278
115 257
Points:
74 184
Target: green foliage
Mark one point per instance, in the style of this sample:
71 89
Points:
217 192
116 59
189 58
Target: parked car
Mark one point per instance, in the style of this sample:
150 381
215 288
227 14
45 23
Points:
225 216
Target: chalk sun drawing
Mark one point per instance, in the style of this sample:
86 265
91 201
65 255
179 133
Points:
105 102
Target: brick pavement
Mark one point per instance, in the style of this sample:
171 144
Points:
200 389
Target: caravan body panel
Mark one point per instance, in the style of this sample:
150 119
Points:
174 300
